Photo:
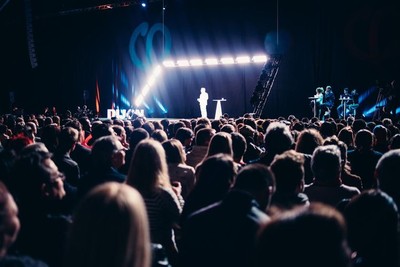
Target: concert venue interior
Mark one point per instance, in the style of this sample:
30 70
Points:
101 53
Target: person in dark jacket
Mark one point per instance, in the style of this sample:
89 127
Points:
224 233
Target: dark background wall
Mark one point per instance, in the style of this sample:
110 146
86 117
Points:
351 44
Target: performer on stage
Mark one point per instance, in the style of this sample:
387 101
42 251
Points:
318 100
345 99
203 98
329 100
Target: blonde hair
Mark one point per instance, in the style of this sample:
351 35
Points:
148 170
110 228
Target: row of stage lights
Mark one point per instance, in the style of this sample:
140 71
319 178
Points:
215 61
194 62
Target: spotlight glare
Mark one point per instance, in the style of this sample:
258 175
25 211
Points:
196 62
227 60
144 4
260 58
145 90
139 100
211 61
243 59
157 71
168 64
182 63
151 80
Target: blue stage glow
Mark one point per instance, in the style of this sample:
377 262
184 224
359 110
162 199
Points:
161 106
151 56
125 101
124 79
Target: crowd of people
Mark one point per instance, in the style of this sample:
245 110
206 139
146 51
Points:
76 191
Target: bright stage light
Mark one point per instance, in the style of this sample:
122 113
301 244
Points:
139 101
196 62
227 60
157 70
243 59
211 61
182 63
260 58
145 90
169 63
151 80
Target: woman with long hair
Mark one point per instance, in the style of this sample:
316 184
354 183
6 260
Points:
148 173
110 228
178 170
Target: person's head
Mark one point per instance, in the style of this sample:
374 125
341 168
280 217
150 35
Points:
239 146
107 151
328 128
333 140
347 136
228 128
67 139
205 121
174 151
319 90
9 222
149 127
220 143
202 90
311 236
99 130
381 134
308 140
394 142
110 228
203 136
364 140
259 181
159 135
185 136
288 169
137 135
74 123
326 163
387 173
372 220
34 147
36 178
278 138
49 136
346 90
217 174
148 169
358 124
120 132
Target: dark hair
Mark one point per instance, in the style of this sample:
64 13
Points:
372 220
288 239
288 170
174 151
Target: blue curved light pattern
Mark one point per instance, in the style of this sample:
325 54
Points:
151 57
140 30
